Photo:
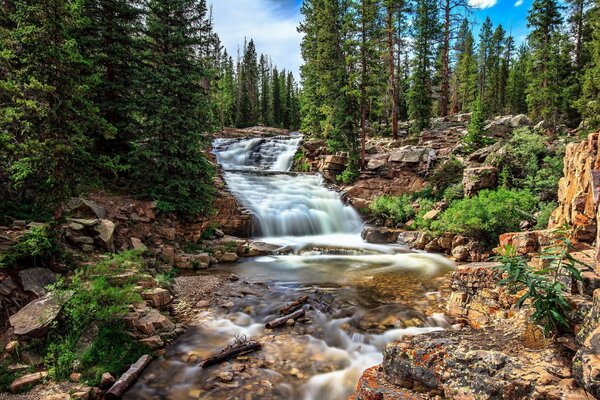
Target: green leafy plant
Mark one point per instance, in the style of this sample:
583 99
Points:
348 176
488 214
447 174
544 289
397 209
37 246
544 214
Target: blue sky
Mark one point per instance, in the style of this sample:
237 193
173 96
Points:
272 24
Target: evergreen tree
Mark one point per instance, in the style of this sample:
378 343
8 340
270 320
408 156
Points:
543 96
485 61
225 98
248 107
276 98
265 95
589 103
465 82
169 162
474 137
47 121
425 31
517 83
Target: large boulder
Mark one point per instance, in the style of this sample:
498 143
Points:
380 235
586 363
82 208
105 230
412 154
35 318
479 178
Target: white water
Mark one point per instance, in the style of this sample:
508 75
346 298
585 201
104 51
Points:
283 204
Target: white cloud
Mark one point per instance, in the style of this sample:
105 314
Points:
519 3
483 4
272 25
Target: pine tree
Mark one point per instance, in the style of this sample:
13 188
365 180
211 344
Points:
110 39
474 137
225 98
265 94
517 83
169 164
426 29
589 103
466 75
47 121
485 60
248 107
544 19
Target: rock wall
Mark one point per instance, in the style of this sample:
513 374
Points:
579 189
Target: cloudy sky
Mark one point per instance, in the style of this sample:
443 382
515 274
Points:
272 24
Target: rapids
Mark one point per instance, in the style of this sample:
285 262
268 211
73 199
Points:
378 293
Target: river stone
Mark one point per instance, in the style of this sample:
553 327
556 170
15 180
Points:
36 279
35 318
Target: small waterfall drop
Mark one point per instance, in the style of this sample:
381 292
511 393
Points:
284 203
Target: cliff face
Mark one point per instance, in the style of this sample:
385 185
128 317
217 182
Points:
579 189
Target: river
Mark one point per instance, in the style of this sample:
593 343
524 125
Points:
377 293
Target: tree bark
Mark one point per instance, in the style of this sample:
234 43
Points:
128 378
277 322
226 354
294 305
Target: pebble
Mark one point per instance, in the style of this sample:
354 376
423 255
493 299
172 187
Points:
234 278
75 377
225 376
290 322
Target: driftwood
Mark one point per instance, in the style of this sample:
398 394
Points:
282 320
293 306
128 378
242 346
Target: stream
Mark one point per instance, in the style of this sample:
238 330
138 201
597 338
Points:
377 293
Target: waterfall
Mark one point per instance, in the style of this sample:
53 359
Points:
284 204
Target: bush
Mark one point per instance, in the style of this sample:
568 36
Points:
544 214
397 209
488 214
474 138
454 192
37 246
348 176
447 174
95 300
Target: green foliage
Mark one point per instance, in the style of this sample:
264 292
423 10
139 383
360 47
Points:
543 289
397 209
474 138
488 214
454 192
526 162
348 176
96 300
447 174
544 213
37 246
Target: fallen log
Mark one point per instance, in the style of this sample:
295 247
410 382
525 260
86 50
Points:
282 320
229 352
293 306
128 378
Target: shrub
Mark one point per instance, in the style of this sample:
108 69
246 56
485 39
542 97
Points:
446 174
543 288
454 192
544 214
488 214
397 209
95 300
37 246
348 176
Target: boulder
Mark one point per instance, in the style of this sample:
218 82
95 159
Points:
7 286
228 257
412 154
520 120
35 318
137 244
479 178
36 279
586 363
380 235
432 214
157 297
150 322
377 161
27 381
106 229
460 253
154 342
82 208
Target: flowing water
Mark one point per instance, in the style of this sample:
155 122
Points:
377 293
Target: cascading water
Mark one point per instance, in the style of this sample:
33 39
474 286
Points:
284 204
381 293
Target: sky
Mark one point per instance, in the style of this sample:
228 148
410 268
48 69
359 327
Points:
272 24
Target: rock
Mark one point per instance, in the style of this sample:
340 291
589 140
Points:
479 364
380 235
157 297
27 380
225 376
377 161
460 253
36 279
75 377
229 257
234 278
106 380
154 342
105 230
137 244
82 208
432 214
7 286
586 363
11 347
35 318
476 179
412 154
520 120
433 247
579 189
445 241
87 223
150 322
523 242
591 321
